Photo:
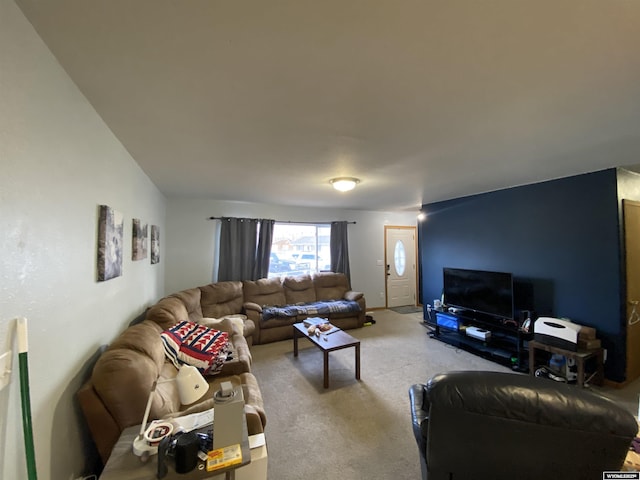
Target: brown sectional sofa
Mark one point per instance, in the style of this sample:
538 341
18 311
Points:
304 289
115 396
249 298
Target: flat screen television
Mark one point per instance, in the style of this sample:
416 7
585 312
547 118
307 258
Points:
480 291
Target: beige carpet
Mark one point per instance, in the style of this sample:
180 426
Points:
354 429
358 430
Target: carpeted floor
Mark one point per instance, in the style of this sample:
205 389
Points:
354 429
359 429
406 309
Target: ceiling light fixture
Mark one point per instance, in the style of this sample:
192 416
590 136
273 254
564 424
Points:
344 184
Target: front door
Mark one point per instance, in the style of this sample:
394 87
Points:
400 261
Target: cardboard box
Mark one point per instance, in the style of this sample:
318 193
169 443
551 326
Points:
587 333
589 344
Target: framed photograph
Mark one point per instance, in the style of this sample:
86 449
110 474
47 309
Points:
110 238
155 244
138 240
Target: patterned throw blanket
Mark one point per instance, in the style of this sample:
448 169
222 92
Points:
315 308
193 344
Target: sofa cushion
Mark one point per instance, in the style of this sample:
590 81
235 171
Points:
330 286
220 299
193 344
142 338
192 302
299 289
167 312
123 375
266 291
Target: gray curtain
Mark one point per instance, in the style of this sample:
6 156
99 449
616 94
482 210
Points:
265 238
339 245
238 242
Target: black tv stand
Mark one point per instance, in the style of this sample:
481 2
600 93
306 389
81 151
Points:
507 344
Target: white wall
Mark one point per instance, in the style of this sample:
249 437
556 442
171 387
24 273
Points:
191 246
58 163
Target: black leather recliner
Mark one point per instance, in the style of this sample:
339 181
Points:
490 425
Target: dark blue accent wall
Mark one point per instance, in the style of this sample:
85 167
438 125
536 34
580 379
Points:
560 239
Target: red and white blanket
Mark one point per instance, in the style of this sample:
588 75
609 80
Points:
193 344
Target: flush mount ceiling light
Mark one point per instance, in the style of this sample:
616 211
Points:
344 184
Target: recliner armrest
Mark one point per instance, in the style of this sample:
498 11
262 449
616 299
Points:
252 306
419 413
353 296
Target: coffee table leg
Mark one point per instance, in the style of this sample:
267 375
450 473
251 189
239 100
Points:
326 369
295 342
358 361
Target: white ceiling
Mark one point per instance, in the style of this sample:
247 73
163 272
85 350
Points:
423 100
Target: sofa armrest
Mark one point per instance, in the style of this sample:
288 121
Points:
353 296
104 429
253 311
250 306
253 407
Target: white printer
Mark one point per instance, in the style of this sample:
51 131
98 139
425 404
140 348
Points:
557 332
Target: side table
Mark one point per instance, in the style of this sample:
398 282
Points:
580 356
124 465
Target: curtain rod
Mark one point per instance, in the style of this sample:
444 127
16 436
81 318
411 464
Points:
285 221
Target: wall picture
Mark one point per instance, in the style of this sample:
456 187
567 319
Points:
110 239
155 244
139 240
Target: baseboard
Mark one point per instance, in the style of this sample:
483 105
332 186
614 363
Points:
373 309
616 385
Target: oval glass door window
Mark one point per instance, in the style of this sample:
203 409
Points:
399 258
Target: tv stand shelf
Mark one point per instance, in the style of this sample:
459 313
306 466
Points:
505 346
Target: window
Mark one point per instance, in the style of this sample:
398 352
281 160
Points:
399 258
300 249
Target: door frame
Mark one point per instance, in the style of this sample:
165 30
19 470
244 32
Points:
386 261
632 359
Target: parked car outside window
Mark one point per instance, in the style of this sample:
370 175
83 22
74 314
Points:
316 261
277 264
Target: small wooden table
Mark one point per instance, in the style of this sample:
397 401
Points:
579 356
124 465
327 343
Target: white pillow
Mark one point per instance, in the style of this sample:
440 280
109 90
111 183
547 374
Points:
218 323
237 320
228 324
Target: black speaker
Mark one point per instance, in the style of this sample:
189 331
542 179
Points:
163 450
186 452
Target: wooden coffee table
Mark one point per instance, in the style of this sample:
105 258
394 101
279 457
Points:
327 343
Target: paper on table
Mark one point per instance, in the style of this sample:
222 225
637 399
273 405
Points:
186 423
307 322
257 440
